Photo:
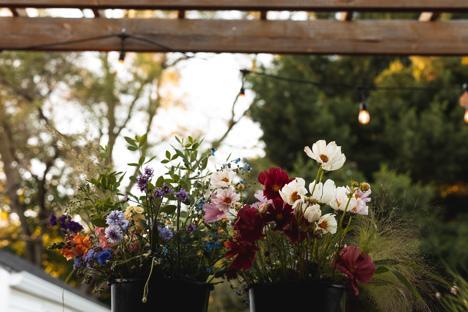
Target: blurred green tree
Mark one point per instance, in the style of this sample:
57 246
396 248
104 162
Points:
418 135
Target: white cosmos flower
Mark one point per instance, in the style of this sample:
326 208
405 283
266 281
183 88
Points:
327 224
328 156
222 178
323 192
312 213
293 191
340 202
225 198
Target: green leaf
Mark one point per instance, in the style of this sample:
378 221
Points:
160 181
386 262
407 284
169 209
130 140
381 269
133 164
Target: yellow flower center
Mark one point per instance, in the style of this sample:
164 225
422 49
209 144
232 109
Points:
295 196
323 157
323 224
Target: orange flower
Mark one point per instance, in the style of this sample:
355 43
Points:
81 244
67 253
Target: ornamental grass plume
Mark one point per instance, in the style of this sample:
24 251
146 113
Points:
403 280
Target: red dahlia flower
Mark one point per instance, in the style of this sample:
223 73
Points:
243 254
273 180
249 224
356 265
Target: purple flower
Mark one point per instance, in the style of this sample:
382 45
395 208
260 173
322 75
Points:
114 234
104 256
165 233
182 195
74 227
149 172
142 182
163 191
117 218
191 228
143 179
67 224
53 219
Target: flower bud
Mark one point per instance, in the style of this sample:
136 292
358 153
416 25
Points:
364 186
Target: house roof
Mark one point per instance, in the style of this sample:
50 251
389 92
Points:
14 263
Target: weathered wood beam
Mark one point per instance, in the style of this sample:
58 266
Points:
254 5
395 37
14 12
429 16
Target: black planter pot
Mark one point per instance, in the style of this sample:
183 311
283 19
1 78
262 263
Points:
163 295
296 296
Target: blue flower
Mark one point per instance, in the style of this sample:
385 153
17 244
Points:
103 256
165 233
89 255
114 234
213 151
210 246
77 262
117 218
199 205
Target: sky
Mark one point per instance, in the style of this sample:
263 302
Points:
207 88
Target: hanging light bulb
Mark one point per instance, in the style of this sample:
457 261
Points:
464 96
122 56
123 35
364 116
466 115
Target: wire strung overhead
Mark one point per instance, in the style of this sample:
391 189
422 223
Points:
364 115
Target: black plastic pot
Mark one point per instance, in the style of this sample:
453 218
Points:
163 295
296 296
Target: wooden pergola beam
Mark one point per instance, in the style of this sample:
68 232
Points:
390 37
258 5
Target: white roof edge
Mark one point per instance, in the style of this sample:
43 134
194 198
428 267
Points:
38 287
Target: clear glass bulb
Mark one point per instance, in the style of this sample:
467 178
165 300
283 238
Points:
466 116
364 117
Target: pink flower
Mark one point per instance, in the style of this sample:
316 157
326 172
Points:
101 235
213 213
356 266
225 198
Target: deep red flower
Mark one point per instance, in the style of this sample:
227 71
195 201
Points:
356 265
273 180
243 253
249 224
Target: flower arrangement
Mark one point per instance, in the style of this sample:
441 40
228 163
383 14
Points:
295 233
162 230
